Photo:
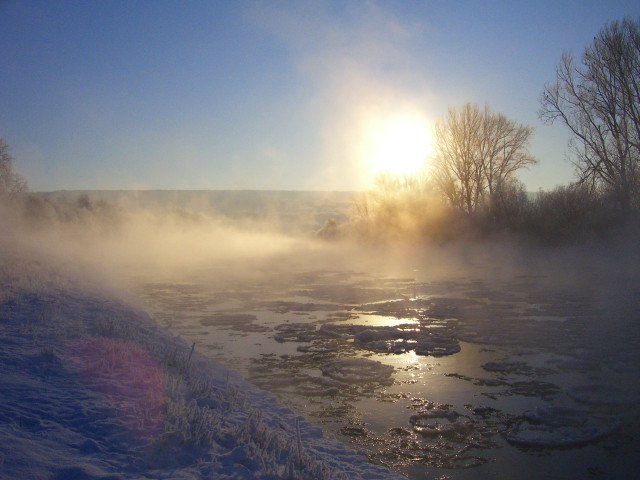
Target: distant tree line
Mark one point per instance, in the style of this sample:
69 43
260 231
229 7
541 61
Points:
478 153
10 181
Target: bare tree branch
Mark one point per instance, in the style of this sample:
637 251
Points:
599 102
477 151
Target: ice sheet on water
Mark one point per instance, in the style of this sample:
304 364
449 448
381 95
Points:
436 345
433 411
341 330
307 385
295 332
396 339
358 370
233 321
558 427
601 394
323 346
282 306
515 368
467 434
402 308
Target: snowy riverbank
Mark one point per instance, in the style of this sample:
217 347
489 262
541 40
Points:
93 389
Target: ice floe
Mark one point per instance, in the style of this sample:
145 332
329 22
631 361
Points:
358 370
557 427
320 347
295 332
515 368
240 322
395 339
600 394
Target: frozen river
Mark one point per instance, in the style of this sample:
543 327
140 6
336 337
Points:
474 375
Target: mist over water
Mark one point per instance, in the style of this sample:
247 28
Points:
458 360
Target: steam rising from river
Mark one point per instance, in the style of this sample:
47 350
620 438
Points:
160 230
170 233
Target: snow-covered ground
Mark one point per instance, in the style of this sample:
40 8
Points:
93 388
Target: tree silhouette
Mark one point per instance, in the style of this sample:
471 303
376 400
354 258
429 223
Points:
478 153
10 182
599 101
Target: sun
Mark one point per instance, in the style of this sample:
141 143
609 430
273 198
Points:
398 144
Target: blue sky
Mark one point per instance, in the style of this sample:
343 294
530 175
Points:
267 95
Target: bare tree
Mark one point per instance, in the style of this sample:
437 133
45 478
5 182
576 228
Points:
599 101
10 182
458 169
477 152
504 149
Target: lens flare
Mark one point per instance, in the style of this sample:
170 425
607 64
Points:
128 375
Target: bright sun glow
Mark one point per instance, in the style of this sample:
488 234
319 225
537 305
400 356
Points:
397 144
